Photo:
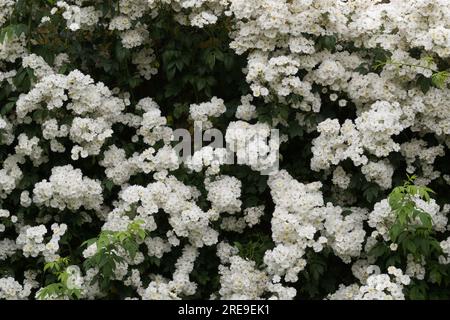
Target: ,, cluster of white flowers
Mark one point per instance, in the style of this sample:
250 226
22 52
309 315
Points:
78 17
7 8
31 241
203 111
67 188
223 193
296 219
255 145
241 280
93 106
376 287
10 289
165 289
